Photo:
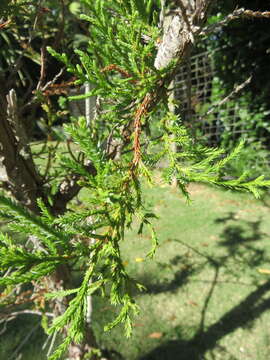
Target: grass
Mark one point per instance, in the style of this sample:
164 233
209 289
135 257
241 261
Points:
206 294
205 297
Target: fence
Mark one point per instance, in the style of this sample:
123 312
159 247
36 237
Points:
203 104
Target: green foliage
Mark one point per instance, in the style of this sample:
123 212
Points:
253 158
12 7
88 239
237 122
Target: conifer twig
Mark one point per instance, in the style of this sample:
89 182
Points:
235 91
51 344
236 14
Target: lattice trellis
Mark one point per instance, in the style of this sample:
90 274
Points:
195 92
194 81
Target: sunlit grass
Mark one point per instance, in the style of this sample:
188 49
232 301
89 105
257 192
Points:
208 263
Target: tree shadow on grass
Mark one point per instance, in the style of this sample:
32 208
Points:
234 234
239 240
180 277
240 243
241 315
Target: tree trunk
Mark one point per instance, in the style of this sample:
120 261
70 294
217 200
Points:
23 180
181 24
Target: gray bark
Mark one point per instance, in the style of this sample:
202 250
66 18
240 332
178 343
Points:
181 24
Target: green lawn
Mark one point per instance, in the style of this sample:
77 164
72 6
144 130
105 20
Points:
207 296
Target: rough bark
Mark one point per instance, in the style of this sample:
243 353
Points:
23 180
181 24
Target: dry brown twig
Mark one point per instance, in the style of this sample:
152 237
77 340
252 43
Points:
42 67
236 14
142 111
235 91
